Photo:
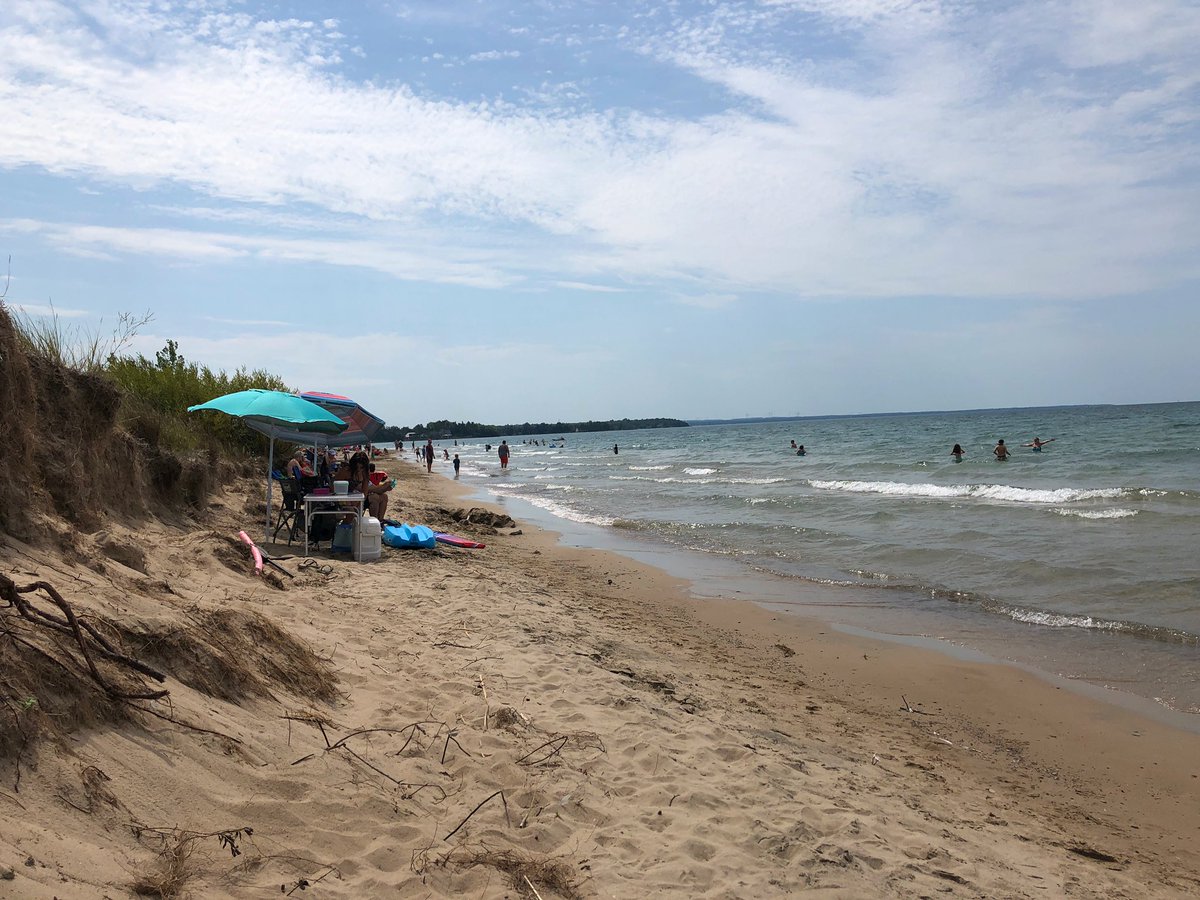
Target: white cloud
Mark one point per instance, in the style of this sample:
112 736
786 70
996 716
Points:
46 311
442 265
255 322
491 55
706 301
1040 148
592 288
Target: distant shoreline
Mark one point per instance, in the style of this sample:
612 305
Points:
754 420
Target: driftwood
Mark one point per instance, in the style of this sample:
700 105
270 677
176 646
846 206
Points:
89 640
499 794
409 789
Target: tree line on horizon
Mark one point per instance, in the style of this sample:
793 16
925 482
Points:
447 429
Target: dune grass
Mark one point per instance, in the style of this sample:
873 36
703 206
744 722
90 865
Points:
155 393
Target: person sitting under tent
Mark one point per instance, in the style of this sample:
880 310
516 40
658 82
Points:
359 470
377 491
297 466
360 483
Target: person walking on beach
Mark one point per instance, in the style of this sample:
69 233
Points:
1000 451
457 463
502 452
429 455
957 453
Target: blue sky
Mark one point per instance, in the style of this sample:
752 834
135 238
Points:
573 210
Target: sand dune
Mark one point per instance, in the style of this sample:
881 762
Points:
528 718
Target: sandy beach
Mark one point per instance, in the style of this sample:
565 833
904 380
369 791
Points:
535 721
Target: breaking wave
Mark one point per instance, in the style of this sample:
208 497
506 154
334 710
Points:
971 491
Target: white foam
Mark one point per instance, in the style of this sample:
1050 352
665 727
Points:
1057 620
648 468
896 488
695 480
699 471
1098 513
557 509
1043 495
980 491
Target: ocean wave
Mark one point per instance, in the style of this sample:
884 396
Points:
670 479
699 471
1092 623
1097 513
880 581
871 576
557 509
969 491
648 468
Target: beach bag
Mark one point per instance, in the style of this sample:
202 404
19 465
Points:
320 528
343 538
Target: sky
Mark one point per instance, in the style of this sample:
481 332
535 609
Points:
588 209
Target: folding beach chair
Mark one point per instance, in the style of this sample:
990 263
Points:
291 512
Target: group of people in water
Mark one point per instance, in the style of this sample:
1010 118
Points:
1000 451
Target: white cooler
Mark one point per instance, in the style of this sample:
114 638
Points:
370 539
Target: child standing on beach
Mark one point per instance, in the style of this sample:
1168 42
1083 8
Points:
456 465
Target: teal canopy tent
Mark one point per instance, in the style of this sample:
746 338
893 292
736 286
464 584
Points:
277 415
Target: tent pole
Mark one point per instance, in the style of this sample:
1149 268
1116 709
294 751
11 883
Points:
270 466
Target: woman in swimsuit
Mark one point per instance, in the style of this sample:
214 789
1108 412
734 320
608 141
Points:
1037 444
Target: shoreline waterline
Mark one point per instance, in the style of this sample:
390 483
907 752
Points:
850 610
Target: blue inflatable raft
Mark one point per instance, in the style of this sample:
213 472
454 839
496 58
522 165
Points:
409 536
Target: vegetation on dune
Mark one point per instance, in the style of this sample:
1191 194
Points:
158 392
107 431
155 393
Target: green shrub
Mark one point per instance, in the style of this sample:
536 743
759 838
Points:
160 391
155 393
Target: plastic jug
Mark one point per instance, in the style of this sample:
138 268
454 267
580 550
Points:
370 539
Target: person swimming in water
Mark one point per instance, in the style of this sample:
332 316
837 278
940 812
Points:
957 453
1037 444
1000 451
800 451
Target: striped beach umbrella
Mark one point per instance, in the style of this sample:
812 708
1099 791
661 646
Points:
361 425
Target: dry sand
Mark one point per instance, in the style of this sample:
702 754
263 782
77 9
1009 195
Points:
528 720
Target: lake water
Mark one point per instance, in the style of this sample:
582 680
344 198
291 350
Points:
1082 560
